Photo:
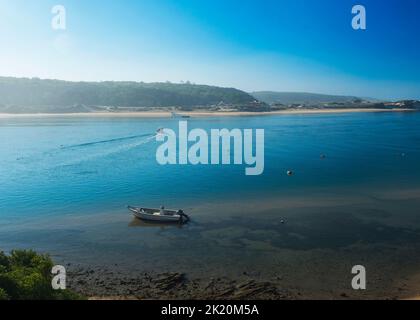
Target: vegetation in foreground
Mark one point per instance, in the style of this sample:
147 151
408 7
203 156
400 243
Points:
26 275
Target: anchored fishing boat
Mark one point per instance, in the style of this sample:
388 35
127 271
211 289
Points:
159 215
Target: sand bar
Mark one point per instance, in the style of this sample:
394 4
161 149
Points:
167 114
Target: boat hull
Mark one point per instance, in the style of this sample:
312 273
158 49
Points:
146 216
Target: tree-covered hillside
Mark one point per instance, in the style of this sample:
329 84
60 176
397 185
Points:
287 98
36 95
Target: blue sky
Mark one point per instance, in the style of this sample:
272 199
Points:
283 45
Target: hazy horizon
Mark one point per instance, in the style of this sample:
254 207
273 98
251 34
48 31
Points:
283 46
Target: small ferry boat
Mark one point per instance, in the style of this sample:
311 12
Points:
159 215
177 115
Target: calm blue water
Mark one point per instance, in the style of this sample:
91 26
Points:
59 166
65 183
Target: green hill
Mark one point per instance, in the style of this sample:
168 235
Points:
288 98
18 95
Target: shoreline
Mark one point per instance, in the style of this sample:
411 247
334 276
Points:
107 284
168 114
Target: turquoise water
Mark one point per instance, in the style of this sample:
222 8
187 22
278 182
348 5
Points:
65 183
62 165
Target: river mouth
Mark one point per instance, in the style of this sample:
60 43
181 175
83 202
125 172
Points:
353 200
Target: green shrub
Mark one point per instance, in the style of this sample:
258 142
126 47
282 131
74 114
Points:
26 275
3 295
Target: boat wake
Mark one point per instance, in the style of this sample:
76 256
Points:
118 149
74 155
87 144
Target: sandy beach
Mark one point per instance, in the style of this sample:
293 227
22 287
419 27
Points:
193 114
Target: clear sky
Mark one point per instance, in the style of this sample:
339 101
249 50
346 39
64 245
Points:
282 45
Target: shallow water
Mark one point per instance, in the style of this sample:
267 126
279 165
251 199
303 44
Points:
65 183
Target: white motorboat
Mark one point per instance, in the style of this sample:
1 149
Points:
159 215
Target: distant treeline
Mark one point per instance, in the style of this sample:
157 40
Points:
36 95
23 95
287 98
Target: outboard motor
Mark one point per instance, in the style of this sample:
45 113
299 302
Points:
184 217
